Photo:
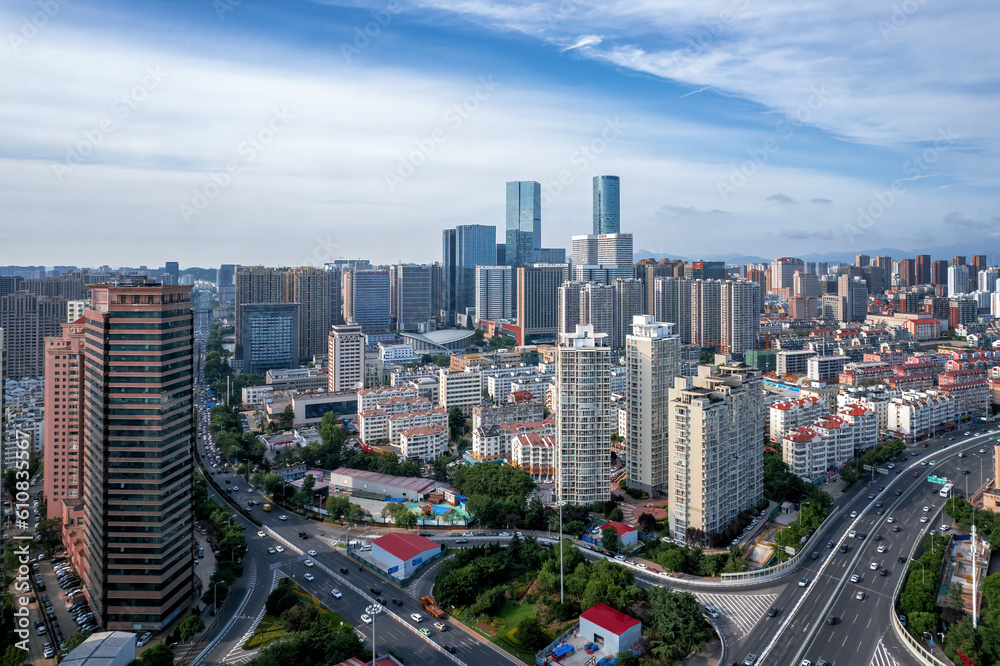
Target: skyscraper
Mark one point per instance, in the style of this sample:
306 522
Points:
861 260
463 248
172 270
524 223
706 313
673 305
225 282
977 264
366 299
939 272
310 288
270 335
597 308
63 433
958 280
923 269
538 302
783 272
27 320
740 316
652 359
907 272
585 421
255 284
137 462
628 304
412 296
346 358
612 251
569 305
607 205
493 295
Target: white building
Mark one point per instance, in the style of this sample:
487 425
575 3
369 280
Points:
426 443
652 360
606 251
535 454
346 358
741 305
370 398
789 414
493 293
373 426
612 629
825 368
399 555
459 389
396 353
499 385
399 423
74 310
538 388
585 420
919 413
874 398
256 395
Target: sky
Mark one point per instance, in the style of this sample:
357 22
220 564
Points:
295 132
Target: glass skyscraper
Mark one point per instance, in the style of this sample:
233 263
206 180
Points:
524 222
463 248
607 208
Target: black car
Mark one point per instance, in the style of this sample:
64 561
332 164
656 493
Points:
895 528
965 471
772 611
381 601
376 591
881 488
397 601
862 535
831 619
880 512
901 559
878 537
898 493
843 548
878 504
343 570
870 496
449 648
829 544
883 572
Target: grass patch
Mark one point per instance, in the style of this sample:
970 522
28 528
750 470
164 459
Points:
269 629
502 628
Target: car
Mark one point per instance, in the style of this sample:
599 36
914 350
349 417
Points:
280 549
844 548
271 551
772 611
852 534
965 471
890 466
878 537
902 619
336 593
895 528
961 455
227 480
343 570
926 509
750 660
814 556
461 541
855 578
982 450
416 617
282 517
449 648
890 520
881 548
945 528
881 488
236 489
376 591
425 632
880 512
859 595
397 602
932 463
40 628
311 553
145 638
309 577
883 572
829 544
441 626
967 434
924 519
878 504
712 611
901 559
854 514
913 453
871 496
48 651
308 563
862 535
803 582
822 662
620 558
916 474
873 566
366 619
805 662
923 463
261 533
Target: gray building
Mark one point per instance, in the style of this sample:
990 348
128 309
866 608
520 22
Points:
607 206
366 300
270 333
28 319
462 249
524 223
225 282
413 298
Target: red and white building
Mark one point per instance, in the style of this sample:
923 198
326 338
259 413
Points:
535 454
399 423
918 413
370 398
793 413
612 630
399 555
426 443
629 535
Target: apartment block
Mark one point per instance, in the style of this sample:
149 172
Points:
459 389
63 432
790 414
493 293
825 368
400 423
345 358
794 361
27 320
535 454
424 444
370 398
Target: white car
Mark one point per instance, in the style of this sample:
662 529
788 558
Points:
366 619
873 566
967 434
890 519
309 577
416 617
280 549
881 548
803 582
312 553
855 578
852 533
336 593
924 519
261 533
282 517
926 509
805 662
308 563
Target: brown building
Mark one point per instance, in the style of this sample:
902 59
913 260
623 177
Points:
939 272
923 269
907 272
138 350
64 368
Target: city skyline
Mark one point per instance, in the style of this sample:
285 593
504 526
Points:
688 110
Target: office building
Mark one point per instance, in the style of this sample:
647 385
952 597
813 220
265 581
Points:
607 205
569 305
852 293
939 272
805 284
783 273
63 431
225 283
255 284
413 299
629 302
270 335
172 272
137 461
463 248
907 272
550 255
740 316
923 269
705 270
861 260
346 358
958 280
524 223
70 287
604 250
27 320
585 420
538 302
493 293
978 263
652 360
366 300
715 463
310 288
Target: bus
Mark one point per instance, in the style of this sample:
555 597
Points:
946 489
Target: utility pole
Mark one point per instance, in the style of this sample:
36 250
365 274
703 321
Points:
975 615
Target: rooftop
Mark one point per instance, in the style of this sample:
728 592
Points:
102 649
405 546
409 483
622 530
609 619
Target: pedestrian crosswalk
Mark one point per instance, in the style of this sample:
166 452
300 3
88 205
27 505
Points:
883 657
238 655
744 611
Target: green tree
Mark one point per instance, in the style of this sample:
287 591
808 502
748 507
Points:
75 640
299 617
287 418
14 656
616 514
456 423
337 506
190 626
530 634
272 483
406 519
304 497
158 655
51 531
922 622
610 540
282 598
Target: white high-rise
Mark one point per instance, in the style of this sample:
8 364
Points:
346 358
652 360
493 292
605 250
585 420
958 280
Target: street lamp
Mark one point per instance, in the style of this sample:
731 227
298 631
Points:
922 569
562 596
373 612
215 596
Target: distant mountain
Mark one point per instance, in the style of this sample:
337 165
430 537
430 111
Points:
946 252
731 258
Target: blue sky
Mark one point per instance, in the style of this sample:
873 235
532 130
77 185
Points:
258 131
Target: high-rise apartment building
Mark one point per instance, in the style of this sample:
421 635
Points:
255 284
715 461
366 300
783 272
270 335
958 260
605 250
597 308
137 440
958 280
805 284
310 288
740 316
346 358
585 420
647 270
978 263
607 205
335 275
463 248
538 302
63 432
861 260
907 272
987 279
673 305
706 313
524 223
569 305
939 272
705 270
853 298
493 293
629 302
923 269
652 361
27 320
413 299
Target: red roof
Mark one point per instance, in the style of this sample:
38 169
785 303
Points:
621 528
405 546
609 619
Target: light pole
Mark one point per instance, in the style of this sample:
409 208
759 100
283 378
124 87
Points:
562 596
215 596
373 612
922 569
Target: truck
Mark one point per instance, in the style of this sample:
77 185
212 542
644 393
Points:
267 507
432 608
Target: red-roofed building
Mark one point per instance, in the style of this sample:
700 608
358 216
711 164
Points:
612 630
401 554
629 535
